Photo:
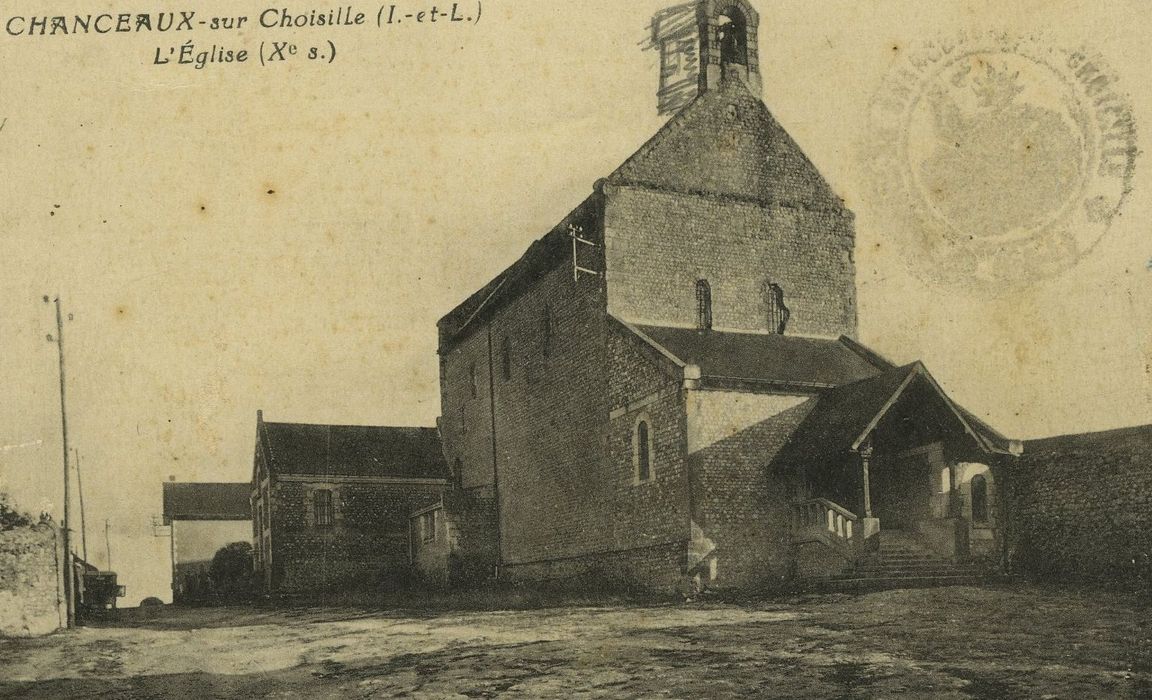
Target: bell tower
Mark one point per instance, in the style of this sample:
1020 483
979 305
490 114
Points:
729 33
700 43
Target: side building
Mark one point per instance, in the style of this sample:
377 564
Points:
331 504
202 517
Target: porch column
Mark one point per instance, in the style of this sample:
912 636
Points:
865 453
955 509
871 524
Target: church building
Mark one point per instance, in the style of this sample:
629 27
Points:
666 388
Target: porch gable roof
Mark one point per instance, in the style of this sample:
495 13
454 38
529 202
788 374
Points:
845 415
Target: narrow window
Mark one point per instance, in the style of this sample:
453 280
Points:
642 449
546 330
458 473
322 507
979 499
778 313
428 526
472 379
703 305
506 358
463 422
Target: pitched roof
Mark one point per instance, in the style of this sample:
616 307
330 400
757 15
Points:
726 142
845 415
206 501
782 359
540 258
353 450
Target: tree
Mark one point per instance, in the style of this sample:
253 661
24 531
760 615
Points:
230 572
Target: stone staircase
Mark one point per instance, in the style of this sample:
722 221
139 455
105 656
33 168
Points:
899 560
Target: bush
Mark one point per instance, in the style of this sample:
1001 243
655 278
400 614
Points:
230 573
10 518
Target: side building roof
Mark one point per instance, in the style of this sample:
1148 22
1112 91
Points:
206 501
353 450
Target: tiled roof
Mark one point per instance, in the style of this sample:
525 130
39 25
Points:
843 416
783 359
206 501
354 450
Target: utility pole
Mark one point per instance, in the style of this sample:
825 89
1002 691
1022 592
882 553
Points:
83 522
69 573
108 543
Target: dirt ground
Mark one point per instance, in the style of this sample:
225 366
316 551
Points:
999 642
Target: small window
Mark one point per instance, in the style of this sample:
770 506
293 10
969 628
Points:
703 305
472 379
546 328
642 450
979 499
463 422
428 526
506 358
458 473
778 313
322 507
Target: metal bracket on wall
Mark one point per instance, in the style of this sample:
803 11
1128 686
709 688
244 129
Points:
575 233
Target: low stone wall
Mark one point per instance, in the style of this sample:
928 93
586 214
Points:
1081 508
31 587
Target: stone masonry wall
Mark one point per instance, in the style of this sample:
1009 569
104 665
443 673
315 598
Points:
659 244
367 545
656 569
555 489
31 588
466 420
644 385
745 502
1080 508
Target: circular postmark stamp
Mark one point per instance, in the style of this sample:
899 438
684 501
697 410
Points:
998 161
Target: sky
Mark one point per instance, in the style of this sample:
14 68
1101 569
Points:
284 237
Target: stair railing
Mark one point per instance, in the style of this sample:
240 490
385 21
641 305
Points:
820 513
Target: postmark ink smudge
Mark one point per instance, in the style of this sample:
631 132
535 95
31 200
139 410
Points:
997 160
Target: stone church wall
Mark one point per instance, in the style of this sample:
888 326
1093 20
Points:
1080 508
660 243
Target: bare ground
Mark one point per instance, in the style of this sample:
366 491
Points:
997 642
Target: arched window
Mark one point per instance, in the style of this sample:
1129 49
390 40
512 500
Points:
703 305
979 499
778 313
733 28
642 449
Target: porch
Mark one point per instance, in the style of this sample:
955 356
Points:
895 485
